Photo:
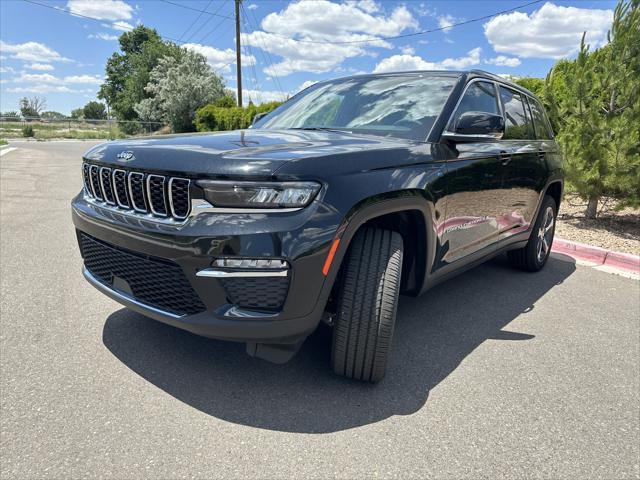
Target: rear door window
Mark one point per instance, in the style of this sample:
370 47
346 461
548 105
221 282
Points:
517 123
479 97
539 121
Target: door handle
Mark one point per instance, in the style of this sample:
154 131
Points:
541 155
504 157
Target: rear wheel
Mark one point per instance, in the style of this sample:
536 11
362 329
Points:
367 305
533 256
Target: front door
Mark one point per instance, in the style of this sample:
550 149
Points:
474 191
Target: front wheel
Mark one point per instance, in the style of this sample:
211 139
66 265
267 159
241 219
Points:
367 305
533 256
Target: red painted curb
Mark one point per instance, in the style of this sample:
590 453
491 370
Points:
597 255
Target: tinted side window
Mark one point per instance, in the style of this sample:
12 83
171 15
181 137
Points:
518 125
479 97
539 121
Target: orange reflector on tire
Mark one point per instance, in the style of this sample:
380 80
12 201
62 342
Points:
332 253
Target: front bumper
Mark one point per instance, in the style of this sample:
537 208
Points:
302 238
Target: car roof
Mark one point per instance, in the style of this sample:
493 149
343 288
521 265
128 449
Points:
443 73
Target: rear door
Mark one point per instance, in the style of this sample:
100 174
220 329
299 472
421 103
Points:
520 170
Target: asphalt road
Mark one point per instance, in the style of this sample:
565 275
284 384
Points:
495 374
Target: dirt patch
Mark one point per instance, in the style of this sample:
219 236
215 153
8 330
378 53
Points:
613 230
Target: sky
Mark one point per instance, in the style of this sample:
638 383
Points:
51 49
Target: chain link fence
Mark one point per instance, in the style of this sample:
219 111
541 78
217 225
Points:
77 128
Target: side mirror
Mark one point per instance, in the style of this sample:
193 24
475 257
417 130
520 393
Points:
258 117
476 126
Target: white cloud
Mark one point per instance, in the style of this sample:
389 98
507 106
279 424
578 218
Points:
7 70
103 36
252 6
503 61
41 88
121 26
408 50
319 20
47 78
551 32
306 84
39 66
404 63
445 22
220 60
101 9
84 79
32 52
36 78
424 10
262 96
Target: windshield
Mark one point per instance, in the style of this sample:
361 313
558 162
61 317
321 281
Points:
404 106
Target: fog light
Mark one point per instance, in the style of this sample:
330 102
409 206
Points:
251 263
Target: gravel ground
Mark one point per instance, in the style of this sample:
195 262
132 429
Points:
618 231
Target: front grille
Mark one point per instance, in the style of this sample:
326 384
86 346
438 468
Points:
263 293
166 197
153 281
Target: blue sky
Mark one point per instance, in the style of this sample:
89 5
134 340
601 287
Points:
61 56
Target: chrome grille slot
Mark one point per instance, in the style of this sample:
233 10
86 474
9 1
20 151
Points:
178 190
156 195
107 186
136 189
143 194
86 178
120 188
94 174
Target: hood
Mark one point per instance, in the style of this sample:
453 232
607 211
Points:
237 153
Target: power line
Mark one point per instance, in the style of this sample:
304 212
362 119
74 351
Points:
69 12
414 34
196 9
206 22
265 53
196 20
213 29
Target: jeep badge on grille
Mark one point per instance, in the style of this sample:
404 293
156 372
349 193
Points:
126 155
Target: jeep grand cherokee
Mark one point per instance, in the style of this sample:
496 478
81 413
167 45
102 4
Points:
352 192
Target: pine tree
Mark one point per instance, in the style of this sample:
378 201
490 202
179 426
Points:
595 103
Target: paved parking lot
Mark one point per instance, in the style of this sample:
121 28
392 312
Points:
496 373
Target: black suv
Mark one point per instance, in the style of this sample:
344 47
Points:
352 192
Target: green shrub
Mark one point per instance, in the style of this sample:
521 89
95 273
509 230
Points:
27 131
217 118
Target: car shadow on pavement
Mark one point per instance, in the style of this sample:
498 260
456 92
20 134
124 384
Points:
434 334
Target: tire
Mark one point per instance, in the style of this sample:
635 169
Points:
367 305
534 255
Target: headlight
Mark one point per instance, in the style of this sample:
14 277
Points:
259 194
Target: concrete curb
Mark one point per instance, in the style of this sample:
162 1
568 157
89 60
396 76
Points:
597 255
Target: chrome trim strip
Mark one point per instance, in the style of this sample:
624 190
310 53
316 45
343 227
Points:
134 214
116 295
93 188
104 193
164 196
170 194
115 188
133 202
214 273
199 205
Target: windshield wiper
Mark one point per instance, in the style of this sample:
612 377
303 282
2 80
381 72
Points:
323 129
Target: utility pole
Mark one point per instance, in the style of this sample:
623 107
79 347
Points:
238 65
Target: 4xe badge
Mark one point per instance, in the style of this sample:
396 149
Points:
125 156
